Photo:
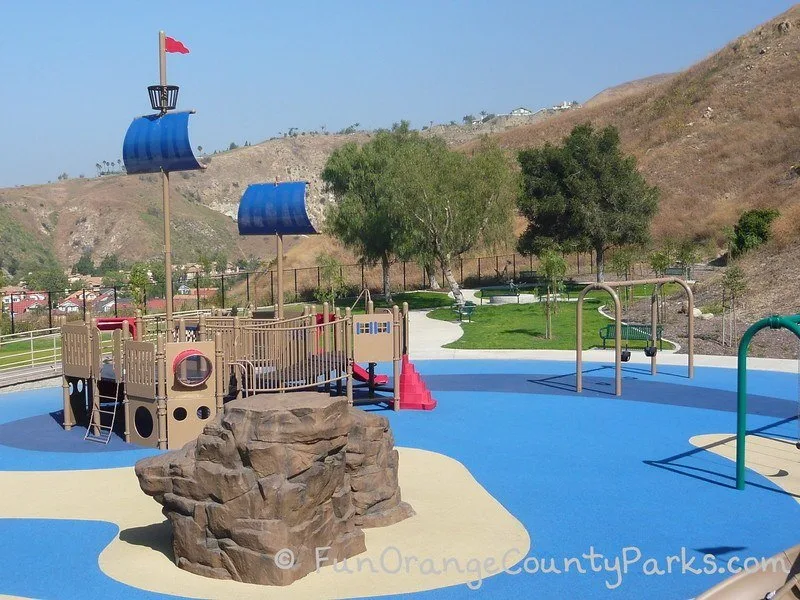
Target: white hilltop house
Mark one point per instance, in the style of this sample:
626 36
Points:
521 112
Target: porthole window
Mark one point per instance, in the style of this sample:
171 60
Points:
203 413
143 422
179 414
192 368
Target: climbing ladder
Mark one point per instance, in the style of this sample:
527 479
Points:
104 432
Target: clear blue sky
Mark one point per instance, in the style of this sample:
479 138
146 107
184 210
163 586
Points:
74 74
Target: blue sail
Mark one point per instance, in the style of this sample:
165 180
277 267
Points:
274 209
159 142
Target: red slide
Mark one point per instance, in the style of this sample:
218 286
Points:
361 374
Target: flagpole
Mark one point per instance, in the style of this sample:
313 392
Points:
162 68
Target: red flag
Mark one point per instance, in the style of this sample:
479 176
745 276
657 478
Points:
173 45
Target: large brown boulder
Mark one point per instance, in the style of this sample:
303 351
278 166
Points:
271 482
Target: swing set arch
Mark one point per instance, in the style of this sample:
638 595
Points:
610 287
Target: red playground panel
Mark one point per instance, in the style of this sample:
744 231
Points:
361 374
114 323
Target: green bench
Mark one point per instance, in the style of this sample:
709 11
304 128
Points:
511 290
465 310
631 331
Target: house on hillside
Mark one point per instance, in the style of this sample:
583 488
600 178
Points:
26 306
69 306
521 112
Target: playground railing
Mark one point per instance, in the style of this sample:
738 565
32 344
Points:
30 355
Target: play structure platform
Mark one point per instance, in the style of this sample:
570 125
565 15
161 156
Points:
159 389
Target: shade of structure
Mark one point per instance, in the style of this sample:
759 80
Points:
274 209
157 143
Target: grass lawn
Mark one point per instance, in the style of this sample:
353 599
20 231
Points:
573 289
521 327
416 301
20 352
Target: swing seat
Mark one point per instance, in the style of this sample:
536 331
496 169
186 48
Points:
625 355
650 351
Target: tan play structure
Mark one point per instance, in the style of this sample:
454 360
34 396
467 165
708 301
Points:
160 390
650 351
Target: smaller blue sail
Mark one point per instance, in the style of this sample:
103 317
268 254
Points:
274 209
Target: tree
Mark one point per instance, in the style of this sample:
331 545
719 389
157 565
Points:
584 191
734 286
365 217
114 279
84 266
622 261
110 263
332 284
199 149
752 230
233 146
554 269
138 281
452 202
48 280
468 119
686 255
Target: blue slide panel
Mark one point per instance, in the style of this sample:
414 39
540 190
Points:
274 209
159 142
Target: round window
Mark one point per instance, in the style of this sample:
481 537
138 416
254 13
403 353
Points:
143 422
191 368
203 413
179 414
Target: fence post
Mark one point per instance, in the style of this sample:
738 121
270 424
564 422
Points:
50 309
247 281
12 313
404 276
514 264
479 271
362 276
319 280
271 290
116 312
197 287
222 279
84 305
296 293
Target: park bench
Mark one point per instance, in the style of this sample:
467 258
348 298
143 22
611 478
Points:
631 331
465 310
511 290
677 271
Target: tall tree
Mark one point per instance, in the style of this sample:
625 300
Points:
453 202
138 282
586 191
365 218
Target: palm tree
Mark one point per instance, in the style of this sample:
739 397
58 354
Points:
99 168
199 149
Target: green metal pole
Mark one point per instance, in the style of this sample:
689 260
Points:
774 322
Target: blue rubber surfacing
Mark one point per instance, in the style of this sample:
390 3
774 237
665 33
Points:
581 472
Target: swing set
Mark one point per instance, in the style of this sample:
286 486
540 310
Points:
621 355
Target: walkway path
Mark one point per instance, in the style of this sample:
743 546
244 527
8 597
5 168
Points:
428 336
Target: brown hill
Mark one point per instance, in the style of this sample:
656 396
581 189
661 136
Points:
718 138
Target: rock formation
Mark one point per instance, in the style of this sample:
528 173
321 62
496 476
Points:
274 483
